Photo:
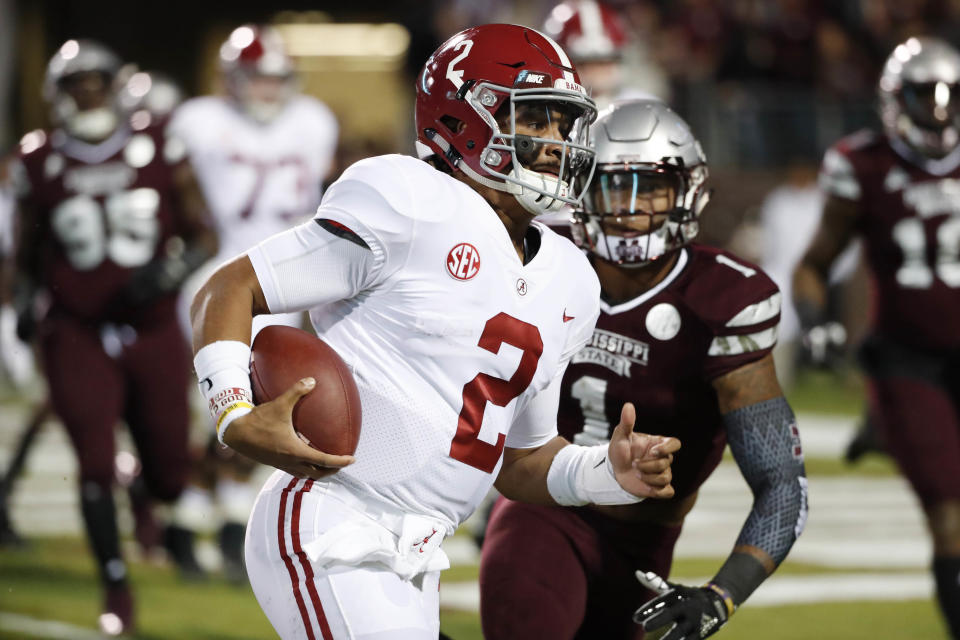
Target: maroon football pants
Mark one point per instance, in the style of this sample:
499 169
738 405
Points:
560 573
144 384
920 424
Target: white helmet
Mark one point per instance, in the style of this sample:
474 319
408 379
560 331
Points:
76 57
648 190
919 93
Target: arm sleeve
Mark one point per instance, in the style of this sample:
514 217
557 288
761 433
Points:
307 266
765 443
357 240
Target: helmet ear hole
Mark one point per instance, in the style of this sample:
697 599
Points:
452 124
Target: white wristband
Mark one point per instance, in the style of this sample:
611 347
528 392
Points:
223 372
581 475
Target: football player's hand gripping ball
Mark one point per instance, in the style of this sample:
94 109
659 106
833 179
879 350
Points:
689 613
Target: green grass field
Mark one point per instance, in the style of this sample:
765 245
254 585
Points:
54 580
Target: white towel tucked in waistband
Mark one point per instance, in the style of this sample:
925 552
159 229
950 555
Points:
416 550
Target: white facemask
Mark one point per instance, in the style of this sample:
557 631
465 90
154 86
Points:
92 125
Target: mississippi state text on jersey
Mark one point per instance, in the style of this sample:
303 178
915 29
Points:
713 313
102 210
449 337
909 218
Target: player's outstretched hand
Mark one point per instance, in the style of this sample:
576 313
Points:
266 435
688 613
641 462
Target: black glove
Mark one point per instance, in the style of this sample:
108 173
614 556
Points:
163 275
691 612
823 341
153 280
26 325
23 305
824 344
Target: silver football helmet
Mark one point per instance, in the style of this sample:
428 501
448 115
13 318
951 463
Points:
919 93
649 186
150 91
74 57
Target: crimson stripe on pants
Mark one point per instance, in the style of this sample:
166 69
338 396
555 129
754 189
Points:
294 578
305 562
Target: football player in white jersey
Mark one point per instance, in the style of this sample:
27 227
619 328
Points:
457 315
261 153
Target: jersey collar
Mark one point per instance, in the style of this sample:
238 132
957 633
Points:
90 153
647 295
937 167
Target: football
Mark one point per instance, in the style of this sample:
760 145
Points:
327 418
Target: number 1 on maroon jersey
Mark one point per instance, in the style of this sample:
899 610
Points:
484 388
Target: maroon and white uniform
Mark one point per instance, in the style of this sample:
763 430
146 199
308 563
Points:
99 212
909 218
712 314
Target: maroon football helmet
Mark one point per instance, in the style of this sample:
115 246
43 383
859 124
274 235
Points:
485 72
257 71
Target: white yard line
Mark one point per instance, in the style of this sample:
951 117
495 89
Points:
775 592
48 629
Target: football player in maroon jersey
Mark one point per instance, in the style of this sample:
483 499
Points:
110 221
898 191
685 333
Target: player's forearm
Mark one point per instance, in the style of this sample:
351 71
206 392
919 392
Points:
809 289
224 307
764 440
523 475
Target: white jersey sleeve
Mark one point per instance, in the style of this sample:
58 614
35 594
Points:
360 236
537 425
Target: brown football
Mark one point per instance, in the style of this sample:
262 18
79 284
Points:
327 418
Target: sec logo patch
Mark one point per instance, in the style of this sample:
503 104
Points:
463 261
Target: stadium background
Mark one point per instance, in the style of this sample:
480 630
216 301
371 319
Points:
766 85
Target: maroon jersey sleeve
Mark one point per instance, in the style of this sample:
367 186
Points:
739 305
842 168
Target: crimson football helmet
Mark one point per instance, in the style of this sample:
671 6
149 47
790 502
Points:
649 188
72 62
257 71
486 73
919 93
588 30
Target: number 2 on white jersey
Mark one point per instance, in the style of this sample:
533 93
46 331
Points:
502 328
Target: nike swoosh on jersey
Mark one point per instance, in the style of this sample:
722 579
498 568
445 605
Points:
567 318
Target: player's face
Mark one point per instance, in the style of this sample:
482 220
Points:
932 105
89 89
631 202
267 89
545 121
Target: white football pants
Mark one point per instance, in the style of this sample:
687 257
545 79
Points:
301 600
